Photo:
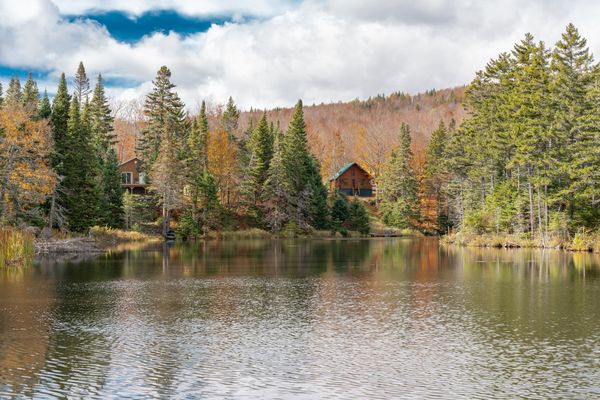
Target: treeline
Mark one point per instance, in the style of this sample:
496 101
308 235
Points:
527 160
207 176
58 162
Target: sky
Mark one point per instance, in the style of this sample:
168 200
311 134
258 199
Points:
268 53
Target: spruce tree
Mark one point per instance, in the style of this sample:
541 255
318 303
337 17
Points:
101 120
31 95
260 145
14 93
196 161
358 217
231 116
80 182
111 213
165 116
275 194
435 174
398 185
82 86
45 109
59 118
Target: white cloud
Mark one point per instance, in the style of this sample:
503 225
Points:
187 7
319 51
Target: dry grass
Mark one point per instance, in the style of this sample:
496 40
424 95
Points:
111 237
16 247
582 241
253 233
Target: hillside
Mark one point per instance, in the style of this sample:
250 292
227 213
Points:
361 130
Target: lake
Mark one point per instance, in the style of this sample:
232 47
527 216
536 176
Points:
370 318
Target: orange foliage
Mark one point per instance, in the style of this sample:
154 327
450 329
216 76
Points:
27 178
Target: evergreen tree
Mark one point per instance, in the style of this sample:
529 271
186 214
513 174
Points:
571 68
111 211
231 117
59 118
197 161
260 146
101 120
80 173
82 86
398 186
435 174
1 96
45 109
275 194
14 93
302 178
358 217
31 95
165 117
340 212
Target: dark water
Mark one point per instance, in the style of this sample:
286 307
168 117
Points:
381 318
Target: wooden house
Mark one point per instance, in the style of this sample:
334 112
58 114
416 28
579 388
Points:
132 180
352 180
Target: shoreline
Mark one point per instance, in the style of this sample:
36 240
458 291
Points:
586 243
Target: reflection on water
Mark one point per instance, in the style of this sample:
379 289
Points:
380 318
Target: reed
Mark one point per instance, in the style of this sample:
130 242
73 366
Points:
16 247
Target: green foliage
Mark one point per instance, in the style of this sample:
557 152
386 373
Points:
358 217
166 118
398 185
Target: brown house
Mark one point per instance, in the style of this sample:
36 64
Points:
352 180
132 180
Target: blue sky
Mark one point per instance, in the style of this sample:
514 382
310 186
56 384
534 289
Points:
267 53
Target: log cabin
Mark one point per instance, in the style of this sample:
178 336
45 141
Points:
352 180
132 180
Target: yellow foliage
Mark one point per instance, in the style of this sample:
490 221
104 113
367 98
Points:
222 162
26 177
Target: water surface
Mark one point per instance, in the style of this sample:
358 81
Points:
377 318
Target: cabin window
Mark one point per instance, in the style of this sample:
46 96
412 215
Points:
126 178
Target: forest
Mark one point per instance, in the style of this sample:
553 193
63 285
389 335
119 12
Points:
516 152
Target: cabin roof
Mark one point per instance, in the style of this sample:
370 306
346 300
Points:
344 169
128 161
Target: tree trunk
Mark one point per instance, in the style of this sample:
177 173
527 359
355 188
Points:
531 214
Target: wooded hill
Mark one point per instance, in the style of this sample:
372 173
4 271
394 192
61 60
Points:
361 130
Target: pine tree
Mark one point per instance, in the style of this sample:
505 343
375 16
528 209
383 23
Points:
14 93
101 120
197 161
435 174
306 194
111 212
82 86
165 117
80 182
571 68
45 109
231 117
398 186
31 95
340 211
59 118
358 217
1 96
585 175
275 194
260 145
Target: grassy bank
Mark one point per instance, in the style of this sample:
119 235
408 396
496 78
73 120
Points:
107 237
582 241
16 247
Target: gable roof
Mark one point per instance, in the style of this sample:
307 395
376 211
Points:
344 169
128 161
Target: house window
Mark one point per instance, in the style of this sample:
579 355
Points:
126 178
